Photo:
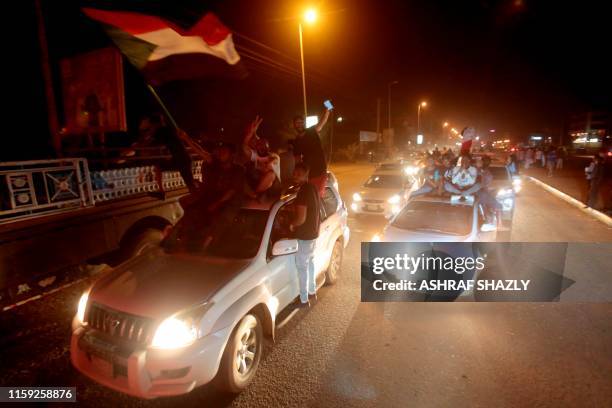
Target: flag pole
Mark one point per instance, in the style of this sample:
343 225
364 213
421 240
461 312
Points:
163 106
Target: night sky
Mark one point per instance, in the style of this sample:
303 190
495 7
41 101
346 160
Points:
514 65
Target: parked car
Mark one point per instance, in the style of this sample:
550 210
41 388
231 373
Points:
384 193
177 317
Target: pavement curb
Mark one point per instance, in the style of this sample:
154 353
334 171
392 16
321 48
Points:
571 200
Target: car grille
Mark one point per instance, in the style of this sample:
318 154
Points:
120 325
370 201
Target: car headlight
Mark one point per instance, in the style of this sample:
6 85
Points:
181 329
82 307
174 333
504 192
517 182
357 197
411 170
394 199
375 238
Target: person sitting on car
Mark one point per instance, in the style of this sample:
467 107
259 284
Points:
218 200
430 175
263 166
486 197
463 178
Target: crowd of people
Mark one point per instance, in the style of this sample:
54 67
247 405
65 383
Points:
232 176
463 175
549 157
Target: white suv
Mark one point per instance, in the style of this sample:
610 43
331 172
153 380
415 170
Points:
170 320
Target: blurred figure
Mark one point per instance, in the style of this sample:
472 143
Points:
287 162
487 197
153 131
218 200
512 164
430 176
538 156
528 158
561 155
308 149
263 166
551 160
468 134
595 177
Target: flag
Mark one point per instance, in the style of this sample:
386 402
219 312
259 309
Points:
165 51
467 136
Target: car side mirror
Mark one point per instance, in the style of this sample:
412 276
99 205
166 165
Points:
285 247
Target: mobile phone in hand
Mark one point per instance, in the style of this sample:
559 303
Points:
328 105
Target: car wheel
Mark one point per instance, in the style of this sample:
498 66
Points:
148 238
241 356
335 263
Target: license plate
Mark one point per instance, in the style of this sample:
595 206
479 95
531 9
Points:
373 208
98 347
102 366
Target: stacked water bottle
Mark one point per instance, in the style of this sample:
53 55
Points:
197 169
119 183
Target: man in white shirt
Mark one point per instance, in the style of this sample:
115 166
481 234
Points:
263 171
463 178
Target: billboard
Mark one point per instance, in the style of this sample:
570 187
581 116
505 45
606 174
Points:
93 96
366 136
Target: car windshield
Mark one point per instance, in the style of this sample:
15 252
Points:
384 181
499 173
435 217
239 239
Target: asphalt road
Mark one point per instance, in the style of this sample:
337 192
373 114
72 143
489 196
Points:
345 353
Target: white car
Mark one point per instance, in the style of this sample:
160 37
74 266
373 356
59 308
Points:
384 193
438 219
177 317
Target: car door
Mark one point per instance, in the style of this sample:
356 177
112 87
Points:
282 273
330 219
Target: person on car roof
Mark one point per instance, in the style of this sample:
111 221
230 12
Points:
463 178
263 166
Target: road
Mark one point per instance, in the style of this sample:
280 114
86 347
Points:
346 353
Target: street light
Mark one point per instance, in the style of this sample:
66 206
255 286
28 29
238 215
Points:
389 99
445 124
421 105
310 17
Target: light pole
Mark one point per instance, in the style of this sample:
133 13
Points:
310 16
389 100
422 104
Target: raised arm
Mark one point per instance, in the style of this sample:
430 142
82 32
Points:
249 134
323 121
196 147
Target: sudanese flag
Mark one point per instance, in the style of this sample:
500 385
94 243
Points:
165 51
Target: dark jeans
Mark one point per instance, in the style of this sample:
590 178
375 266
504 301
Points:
593 193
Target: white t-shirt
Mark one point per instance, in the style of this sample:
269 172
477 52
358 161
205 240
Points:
464 177
261 162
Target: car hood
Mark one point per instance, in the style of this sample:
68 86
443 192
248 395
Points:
157 284
499 184
393 234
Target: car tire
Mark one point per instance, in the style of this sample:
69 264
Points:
335 264
139 243
241 356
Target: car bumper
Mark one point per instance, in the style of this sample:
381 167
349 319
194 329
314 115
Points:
385 209
150 373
